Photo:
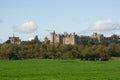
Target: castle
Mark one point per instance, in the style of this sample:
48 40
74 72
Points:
73 38
14 40
64 38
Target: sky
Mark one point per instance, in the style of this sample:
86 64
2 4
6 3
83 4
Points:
27 18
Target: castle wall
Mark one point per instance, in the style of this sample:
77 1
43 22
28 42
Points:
57 39
73 39
69 40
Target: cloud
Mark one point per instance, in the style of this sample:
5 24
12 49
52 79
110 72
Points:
27 27
105 25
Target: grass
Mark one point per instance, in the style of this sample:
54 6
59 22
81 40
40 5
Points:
59 70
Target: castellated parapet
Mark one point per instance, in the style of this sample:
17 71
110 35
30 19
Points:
73 38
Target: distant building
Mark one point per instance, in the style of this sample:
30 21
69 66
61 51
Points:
14 40
73 38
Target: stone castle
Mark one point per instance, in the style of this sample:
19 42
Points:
64 38
73 38
14 40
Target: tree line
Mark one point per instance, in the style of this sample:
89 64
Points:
39 50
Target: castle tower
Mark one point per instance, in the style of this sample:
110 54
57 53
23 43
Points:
99 37
52 39
74 38
94 35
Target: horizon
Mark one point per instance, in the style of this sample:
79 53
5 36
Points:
30 39
36 17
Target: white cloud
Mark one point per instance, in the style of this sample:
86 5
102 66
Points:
105 25
27 27
30 38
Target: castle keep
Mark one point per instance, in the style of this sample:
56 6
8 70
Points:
73 38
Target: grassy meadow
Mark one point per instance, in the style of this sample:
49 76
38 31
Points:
59 70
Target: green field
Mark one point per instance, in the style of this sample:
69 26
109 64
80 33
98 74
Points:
59 70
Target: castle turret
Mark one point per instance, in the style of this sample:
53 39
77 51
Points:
73 39
52 34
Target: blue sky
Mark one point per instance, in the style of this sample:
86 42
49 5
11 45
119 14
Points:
27 18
